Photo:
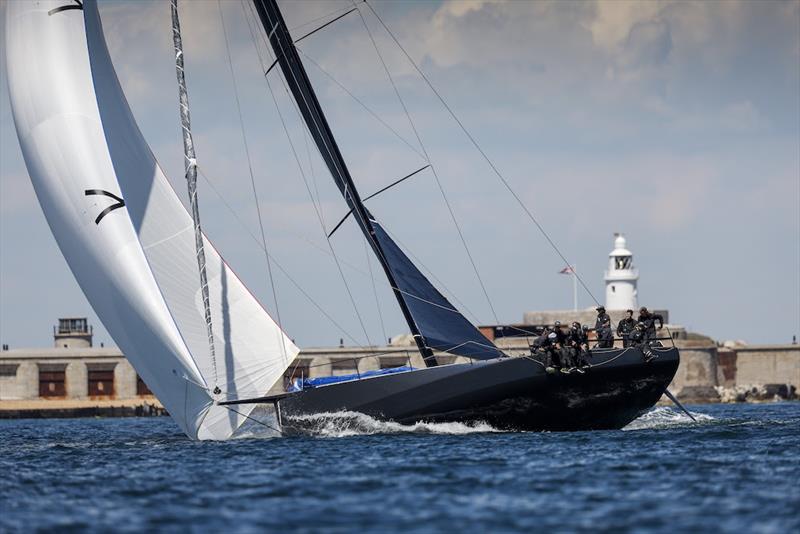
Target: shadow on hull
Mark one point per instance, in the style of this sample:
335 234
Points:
509 394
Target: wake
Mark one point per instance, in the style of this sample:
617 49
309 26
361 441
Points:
667 417
345 424
263 423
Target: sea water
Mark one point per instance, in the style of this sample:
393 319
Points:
737 469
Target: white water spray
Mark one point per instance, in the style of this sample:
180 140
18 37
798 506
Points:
666 417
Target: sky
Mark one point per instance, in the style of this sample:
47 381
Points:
675 123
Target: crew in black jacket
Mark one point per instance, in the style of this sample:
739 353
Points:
560 335
649 319
602 327
576 341
548 342
625 327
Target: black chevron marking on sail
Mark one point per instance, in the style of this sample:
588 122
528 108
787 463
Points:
120 203
77 5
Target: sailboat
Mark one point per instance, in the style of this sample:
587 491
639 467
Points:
196 335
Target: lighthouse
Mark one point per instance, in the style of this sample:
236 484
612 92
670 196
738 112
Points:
621 277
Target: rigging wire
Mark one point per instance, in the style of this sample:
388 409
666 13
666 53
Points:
251 418
252 180
377 117
345 183
361 103
305 181
312 21
480 150
313 177
451 293
428 159
322 250
375 290
277 263
316 200
332 253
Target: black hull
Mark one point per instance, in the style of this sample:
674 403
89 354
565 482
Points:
509 393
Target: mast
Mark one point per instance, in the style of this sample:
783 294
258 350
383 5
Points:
296 76
434 322
191 181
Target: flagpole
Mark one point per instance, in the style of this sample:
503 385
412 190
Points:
574 289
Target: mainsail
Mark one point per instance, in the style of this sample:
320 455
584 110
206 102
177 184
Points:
122 229
435 323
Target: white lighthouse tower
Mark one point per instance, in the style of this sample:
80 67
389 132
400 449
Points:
621 277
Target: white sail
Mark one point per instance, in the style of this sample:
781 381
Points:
136 264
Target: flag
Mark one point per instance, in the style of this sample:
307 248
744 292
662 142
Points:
567 270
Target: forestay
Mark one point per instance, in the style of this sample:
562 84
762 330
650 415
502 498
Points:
122 229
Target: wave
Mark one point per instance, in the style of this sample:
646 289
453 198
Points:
344 424
666 417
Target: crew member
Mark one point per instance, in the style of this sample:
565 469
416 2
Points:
625 327
649 319
551 349
576 341
602 327
638 338
561 336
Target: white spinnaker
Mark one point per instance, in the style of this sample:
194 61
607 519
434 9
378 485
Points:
136 287
252 351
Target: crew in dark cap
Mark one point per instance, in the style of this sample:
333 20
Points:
562 337
560 348
552 351
602 326
576 341
649 319
625 327
638 338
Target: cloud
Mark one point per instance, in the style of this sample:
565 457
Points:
614 19
743 117
648 43
673 121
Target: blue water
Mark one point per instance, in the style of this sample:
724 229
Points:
737 469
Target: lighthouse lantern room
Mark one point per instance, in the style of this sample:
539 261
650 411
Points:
621 277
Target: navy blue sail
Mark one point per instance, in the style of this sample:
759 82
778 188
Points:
441 324
434 322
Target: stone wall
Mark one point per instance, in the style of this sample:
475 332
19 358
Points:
707 370
24 384
768 364
696 378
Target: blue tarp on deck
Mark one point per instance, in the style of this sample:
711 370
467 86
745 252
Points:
305 383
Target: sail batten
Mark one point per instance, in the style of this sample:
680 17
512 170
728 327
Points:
434 321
